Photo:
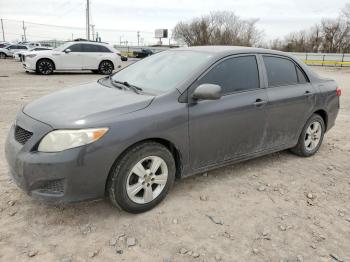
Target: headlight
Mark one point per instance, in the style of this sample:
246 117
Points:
31 55
60 140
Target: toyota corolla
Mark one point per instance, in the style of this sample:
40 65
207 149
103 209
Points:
174 114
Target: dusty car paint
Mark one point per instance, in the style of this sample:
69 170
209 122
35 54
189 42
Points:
201 134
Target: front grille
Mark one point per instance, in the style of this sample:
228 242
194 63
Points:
52 187
22 135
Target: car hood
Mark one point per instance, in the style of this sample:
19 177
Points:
88 105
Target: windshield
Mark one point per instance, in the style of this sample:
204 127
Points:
62 47
163 71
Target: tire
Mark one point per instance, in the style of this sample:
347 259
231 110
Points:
45 67
128 191
106 67
311 137
2 55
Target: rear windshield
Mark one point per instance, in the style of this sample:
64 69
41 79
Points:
163 71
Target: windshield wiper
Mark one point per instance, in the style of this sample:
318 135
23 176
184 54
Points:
136 89
117 85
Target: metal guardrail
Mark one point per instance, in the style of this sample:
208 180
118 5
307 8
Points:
324 59
317 59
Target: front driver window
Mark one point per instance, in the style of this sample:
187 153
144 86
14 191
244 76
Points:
234 74
76 48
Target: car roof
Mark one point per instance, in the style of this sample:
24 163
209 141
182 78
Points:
226 50
88 42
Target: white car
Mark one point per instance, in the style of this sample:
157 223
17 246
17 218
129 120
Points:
9 50
18 56
82 55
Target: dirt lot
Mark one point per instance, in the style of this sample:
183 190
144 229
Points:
275 208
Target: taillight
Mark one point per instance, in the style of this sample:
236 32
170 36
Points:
338 91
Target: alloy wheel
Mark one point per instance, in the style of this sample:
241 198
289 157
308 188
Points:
147 179
45 67
313 136
106 68
2 56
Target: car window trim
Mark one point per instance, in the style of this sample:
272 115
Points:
224 59
295 65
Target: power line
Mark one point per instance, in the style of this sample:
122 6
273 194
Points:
80 28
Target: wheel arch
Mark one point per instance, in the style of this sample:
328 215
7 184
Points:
108 60
45 58
165 142
323 113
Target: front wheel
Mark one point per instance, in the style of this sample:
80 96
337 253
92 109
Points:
45 67
311 137
106 68
142 178
2 55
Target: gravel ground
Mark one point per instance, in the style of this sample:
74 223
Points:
275 208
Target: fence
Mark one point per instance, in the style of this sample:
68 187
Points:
324 59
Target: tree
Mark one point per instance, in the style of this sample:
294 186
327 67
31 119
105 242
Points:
218 28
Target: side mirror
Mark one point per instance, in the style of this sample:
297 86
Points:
67 51
207 92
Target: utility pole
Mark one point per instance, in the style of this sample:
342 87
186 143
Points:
138 38
24 32
3 33
88 19
93 32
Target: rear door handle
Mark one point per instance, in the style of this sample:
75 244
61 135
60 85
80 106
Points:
259 102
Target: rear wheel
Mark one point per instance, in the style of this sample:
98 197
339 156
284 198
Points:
45 67
106 68
2 55
311 137
142 178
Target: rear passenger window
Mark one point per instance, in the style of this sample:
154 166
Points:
103 49
280 71
234 74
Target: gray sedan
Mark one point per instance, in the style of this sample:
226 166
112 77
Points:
173 114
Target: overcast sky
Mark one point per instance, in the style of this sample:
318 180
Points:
276 17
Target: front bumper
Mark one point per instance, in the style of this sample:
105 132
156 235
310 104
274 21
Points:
28 64
67 176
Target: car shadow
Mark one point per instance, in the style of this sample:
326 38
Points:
196 183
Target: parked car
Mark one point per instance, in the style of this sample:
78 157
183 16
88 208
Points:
8 51
84 55
4 44
174 114
143 53
18 56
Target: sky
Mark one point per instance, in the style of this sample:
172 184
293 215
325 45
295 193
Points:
118 21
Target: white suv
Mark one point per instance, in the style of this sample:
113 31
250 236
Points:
98 57
9 50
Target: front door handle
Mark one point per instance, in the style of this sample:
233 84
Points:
307 93
259 102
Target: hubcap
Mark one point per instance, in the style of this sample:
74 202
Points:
313 136
147 179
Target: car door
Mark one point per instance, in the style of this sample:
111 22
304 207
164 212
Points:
92 56
234 125
12 49
70 60
291 100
